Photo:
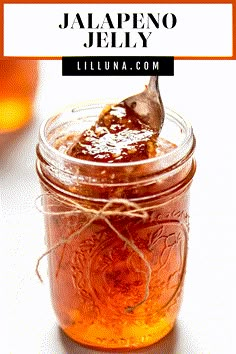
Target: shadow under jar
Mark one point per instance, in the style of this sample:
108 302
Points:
117 235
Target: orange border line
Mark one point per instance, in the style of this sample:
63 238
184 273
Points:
120 2
234 31
1 30
233 57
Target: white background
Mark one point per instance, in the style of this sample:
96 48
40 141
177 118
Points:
203 92
33 30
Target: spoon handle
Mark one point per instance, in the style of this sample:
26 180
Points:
153 83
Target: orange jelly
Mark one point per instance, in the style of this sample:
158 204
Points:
115 198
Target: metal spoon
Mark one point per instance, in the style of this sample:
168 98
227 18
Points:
148 105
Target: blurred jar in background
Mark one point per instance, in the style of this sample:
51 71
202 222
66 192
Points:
19 80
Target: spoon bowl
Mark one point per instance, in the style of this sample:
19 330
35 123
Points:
148 105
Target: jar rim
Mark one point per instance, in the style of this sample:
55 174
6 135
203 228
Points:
180 151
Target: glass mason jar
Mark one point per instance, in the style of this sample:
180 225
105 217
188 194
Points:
19 80
116 235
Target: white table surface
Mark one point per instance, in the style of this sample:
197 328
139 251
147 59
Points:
204 92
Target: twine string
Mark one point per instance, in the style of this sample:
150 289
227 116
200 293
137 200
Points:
132 210
114 207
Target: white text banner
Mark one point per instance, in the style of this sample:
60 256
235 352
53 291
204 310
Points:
55 30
